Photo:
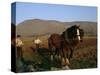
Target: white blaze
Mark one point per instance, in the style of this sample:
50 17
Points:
78 34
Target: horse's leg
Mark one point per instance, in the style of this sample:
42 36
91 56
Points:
65 57
63 61
51 51
71 53
59 55
52 48
66 53
52 55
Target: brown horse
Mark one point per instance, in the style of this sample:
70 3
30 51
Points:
63 45
73 36
57 45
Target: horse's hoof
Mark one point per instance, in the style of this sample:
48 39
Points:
66 67
67 62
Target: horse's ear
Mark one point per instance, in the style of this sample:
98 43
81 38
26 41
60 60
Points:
77 26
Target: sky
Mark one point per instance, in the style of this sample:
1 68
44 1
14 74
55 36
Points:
64 13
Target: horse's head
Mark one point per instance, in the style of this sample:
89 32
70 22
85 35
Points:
74 33
77 33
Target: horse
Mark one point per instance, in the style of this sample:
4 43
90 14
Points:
73 35
57 45
63 45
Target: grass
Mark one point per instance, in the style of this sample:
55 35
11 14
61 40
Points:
85 55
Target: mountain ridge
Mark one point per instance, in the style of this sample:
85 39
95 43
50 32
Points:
38 26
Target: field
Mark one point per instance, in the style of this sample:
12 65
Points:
85 55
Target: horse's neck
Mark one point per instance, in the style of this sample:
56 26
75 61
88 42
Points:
72 43
71 40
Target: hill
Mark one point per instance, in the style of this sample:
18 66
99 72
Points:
44 27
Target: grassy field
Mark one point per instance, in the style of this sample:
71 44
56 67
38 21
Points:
85 55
